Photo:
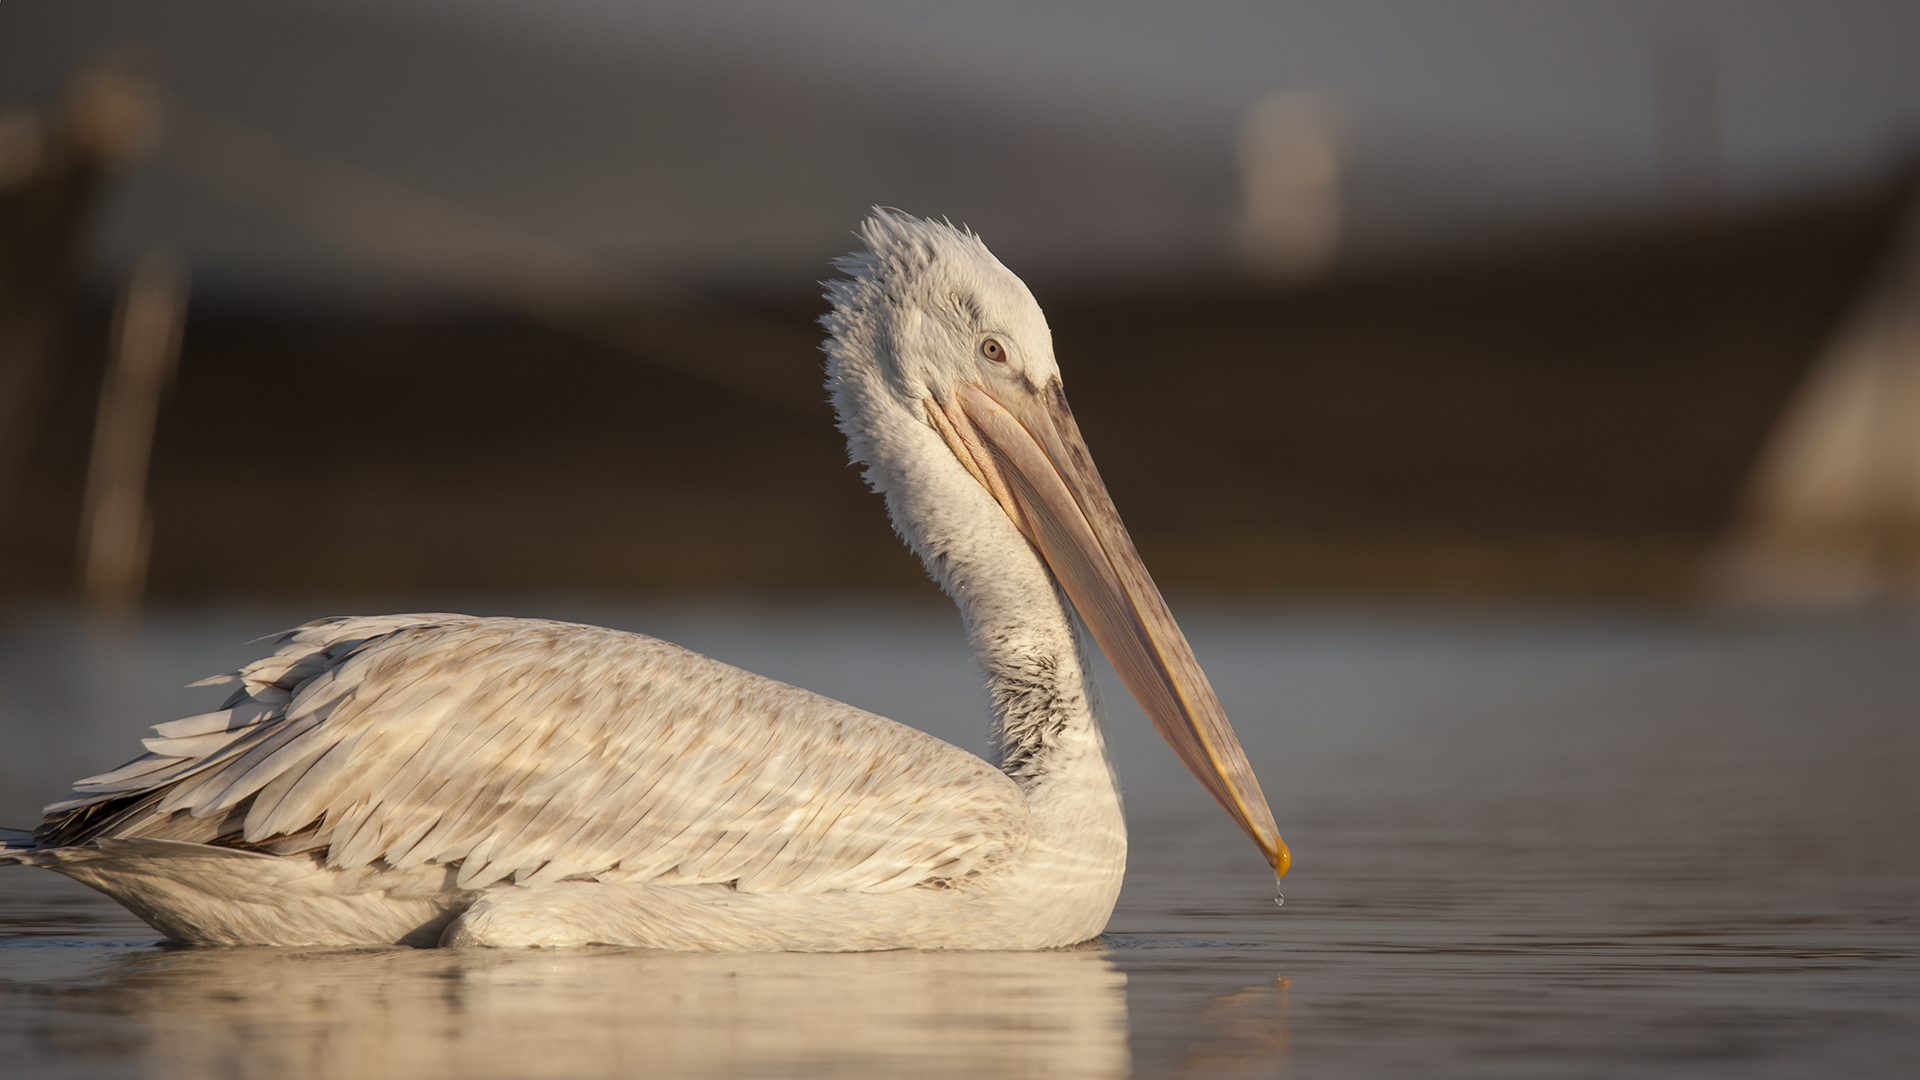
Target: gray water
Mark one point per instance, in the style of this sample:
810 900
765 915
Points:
1530 844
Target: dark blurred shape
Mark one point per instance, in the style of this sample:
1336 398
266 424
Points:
116 529
509 269
1576 418
54 163
1832 514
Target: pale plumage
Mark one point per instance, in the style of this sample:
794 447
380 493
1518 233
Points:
534 752
444 778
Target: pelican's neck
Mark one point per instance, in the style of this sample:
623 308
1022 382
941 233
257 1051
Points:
1046 729
1044 700
1047 734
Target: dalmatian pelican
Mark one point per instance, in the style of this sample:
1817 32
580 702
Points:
444 779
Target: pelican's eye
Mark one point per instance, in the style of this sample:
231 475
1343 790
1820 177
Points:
993 350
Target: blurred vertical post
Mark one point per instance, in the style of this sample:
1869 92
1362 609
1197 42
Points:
54 165
1290 174
116 529
1687 93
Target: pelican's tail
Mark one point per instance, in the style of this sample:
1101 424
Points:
17 846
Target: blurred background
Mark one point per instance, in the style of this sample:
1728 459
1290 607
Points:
1383 299
1519 402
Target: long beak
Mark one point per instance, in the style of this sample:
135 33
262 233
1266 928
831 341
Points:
1028 452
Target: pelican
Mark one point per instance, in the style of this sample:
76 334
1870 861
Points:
445 779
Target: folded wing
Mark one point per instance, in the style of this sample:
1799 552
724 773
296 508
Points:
539 751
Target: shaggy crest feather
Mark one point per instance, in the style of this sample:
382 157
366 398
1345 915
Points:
922 291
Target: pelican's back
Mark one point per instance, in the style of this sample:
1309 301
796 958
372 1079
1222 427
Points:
528 752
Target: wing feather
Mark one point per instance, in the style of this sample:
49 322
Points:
536 751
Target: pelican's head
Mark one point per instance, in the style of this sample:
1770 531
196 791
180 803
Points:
937 350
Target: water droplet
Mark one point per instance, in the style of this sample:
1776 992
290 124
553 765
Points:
1279 898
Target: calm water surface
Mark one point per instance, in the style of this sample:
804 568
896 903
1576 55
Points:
1530 845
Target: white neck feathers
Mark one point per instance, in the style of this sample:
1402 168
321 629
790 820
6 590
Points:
1046 729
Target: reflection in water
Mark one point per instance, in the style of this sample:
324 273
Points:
1246 1030
362 1013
